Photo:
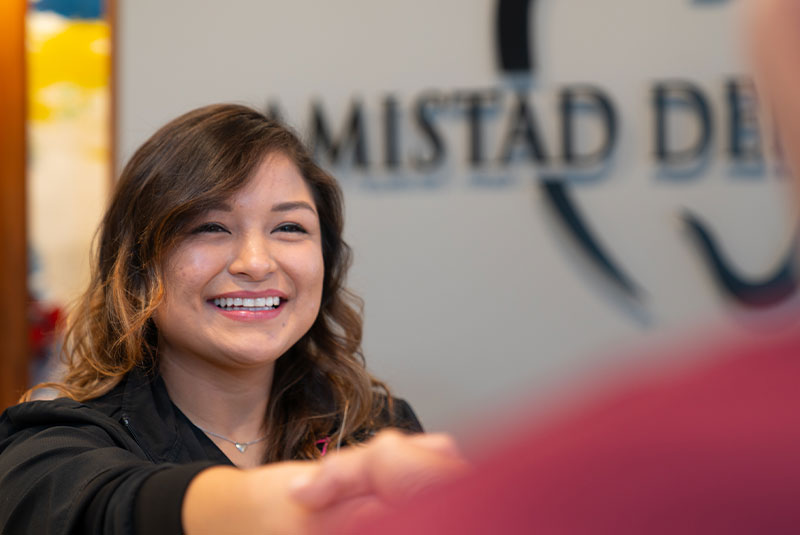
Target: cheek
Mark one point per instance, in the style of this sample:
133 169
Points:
188 271
315 277
309 271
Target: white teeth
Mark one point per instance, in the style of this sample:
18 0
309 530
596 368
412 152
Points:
248 303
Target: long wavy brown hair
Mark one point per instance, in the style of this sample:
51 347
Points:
320 387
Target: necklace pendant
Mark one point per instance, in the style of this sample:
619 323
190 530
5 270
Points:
241 447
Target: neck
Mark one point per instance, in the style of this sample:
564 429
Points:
231 403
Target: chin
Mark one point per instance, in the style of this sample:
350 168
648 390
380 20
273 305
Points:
251 358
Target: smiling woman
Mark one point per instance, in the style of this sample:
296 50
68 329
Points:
263 244
216 330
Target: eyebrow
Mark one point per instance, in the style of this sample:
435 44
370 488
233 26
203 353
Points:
293 205
287 206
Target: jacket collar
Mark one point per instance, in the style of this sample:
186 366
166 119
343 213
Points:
158 426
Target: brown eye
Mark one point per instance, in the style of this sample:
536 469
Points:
290 227
209 228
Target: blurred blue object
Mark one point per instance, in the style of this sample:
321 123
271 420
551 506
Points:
76 9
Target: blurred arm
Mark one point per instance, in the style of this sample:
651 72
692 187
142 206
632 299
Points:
305 496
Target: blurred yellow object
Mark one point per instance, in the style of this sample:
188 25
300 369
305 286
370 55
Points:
65 58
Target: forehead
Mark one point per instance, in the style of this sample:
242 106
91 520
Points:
278 175
275 181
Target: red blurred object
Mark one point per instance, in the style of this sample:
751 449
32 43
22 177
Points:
42 321
714 450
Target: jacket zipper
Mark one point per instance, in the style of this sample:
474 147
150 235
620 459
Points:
127 423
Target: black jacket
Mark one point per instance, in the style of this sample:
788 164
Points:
120 463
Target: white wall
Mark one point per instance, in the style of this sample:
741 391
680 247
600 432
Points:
475 295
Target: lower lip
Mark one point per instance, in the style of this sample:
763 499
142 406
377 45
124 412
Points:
249 315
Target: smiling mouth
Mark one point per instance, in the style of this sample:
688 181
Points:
255 304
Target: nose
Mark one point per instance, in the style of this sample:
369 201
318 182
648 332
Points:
252 258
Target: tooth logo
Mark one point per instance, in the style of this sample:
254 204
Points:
516 40
514 36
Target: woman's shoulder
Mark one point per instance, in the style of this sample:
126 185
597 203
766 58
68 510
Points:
392 413
397 413
32 416
404 416
65 410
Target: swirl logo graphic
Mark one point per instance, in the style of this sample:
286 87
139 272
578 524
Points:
516 48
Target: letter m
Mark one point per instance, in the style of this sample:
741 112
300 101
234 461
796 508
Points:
351 137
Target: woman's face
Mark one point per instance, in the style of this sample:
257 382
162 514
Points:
246 282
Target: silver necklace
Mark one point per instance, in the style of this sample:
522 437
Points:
241 446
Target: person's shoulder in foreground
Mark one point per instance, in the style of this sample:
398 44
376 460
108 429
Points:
712 449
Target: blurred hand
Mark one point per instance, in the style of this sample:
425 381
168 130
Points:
385 471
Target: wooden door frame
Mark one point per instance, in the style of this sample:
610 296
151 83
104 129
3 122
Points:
14 353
